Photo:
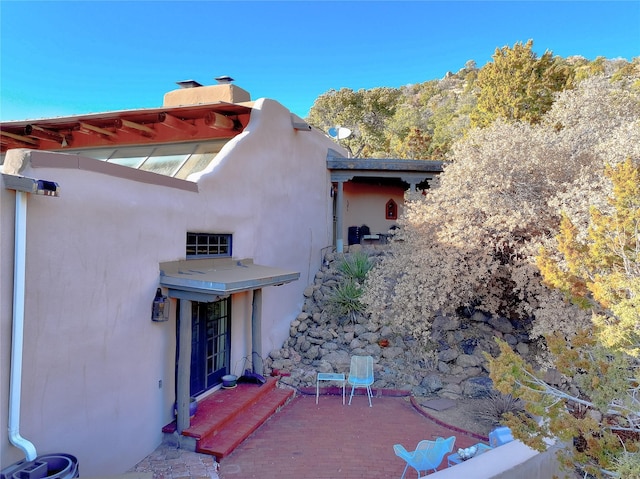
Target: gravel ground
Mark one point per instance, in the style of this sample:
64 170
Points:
463 414
169 462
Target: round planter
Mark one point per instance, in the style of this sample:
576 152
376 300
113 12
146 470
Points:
229 381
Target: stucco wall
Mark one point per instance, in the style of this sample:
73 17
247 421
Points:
365 204
98 376
513 460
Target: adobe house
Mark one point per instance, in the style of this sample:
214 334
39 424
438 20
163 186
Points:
221 203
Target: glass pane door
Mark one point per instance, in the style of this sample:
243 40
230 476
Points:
210 344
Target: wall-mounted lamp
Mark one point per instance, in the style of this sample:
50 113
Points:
160 307
31 185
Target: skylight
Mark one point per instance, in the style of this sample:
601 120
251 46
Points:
176 160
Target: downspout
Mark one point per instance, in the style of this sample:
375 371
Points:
17 335
22 186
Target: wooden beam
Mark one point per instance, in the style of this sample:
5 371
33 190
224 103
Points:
256 332
218 121
132 126
184 367
87 128
21 138
43 133
176 123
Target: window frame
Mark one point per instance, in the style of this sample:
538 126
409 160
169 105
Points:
221 247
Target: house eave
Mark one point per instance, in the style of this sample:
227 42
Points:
221 276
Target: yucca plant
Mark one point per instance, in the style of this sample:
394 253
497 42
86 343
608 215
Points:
345 299
493 408
355 266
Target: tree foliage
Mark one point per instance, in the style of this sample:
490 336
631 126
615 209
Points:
564 186
602 272
364 112
517 85
473 238
423 120
600 416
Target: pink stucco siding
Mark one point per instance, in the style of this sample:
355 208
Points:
98 377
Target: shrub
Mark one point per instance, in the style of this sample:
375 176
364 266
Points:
345 299
356 266
497 405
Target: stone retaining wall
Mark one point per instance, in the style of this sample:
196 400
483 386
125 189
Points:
320 342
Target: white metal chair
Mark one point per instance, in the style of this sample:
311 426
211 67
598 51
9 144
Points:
427 456
500 436
361 375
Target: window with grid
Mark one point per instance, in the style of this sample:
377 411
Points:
208 245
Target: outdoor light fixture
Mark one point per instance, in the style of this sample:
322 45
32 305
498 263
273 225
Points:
31 185
160 307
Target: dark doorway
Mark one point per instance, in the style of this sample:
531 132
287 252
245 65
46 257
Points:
210 344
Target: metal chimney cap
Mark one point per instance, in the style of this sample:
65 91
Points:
224 79
188 84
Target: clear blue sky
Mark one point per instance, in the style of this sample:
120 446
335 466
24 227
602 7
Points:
65 58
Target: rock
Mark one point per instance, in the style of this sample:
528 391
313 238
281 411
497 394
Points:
432 383
469 345
340 360
501 324
391 352
275 354
323 366
448 355
313 352
479 317
553 377
445 323
386 332
478 387
443 367
522 349
370 337
471 372
467 361
451 391
329 346
372 350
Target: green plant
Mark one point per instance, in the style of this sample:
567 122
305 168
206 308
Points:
493 408
345 299
355 266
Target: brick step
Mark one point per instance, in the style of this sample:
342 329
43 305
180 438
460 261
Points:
222 441
221 407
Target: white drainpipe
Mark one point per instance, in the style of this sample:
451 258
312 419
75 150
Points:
22 186
18 327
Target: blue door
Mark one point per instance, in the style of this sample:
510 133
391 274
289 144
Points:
210 344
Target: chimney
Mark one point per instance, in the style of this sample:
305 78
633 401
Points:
193 93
